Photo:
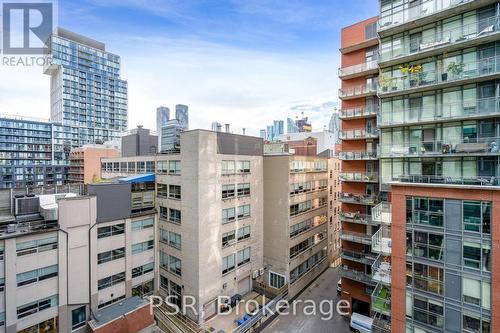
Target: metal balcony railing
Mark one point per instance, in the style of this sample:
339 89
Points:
358 155
358 112
381 299
371 177
365 258
362 199
381 323
359 134
357 69
361 90
381 241
462 33
448 146
408 11
356 237
468 181
381 213
437 112
444 73
381 270
355 275
353 217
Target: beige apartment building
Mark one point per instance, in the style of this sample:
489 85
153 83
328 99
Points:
210 213
301 219
73 262
85 162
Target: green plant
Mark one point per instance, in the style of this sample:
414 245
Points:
455 68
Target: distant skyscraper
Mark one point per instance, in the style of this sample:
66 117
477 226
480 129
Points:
278 128
181 114
263 134
87 92
269 133
216 126
291 127
171 135
334 127
162 117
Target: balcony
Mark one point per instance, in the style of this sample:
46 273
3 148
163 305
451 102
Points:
465 109
359 134
369 67
381 299
359 177
448 147
381 213
359 199
449 74
381 323
456 38
356 237
359 218
447 180
396 20
365 258
358 113
381 270
363 90
363 155
381 241
355 275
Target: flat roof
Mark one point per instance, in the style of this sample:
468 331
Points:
113 312
140 178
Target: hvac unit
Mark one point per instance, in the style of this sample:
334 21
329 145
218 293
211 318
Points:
26 205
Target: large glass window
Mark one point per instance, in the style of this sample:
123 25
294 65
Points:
477 255
78 318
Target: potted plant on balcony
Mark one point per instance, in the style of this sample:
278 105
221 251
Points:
384 83
455 68
414 72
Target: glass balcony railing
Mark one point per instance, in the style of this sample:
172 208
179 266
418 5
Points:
381 241
381 213
452 72
356 237
358 155
445 147
365 258
355 217
381 323
361 199
355 275
357 69
463 33
381 299
359 177
448 180
359 112
358 91
445 111
359 134
381 270
408 12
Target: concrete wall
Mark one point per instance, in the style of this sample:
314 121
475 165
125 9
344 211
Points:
113 201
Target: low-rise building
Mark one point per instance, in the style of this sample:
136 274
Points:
85 162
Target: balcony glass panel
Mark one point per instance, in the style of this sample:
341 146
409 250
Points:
358 90
359 68
358 155
359 177
359 112
359 134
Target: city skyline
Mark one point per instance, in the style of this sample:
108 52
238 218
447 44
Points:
167 68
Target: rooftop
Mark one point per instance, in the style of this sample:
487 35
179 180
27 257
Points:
116 311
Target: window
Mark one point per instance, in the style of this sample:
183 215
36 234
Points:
428 311
163 236
307 265
163 282
175 265
426 211
300 208
228 238
243 189
141 270
162 190
243 256
427 245
78 318
114 300
1 252
40 245
174 167
228 263
477 255
142 224
174 191
371 30
174 240
243 233
300 247
162 166
428 278
113 230
477 216
110 281
276 280
228 167
37 306
228 191
474 324
142 247
243 167
174 216
110 255
228 215
2 286
143 289
243 211
299 228
36 275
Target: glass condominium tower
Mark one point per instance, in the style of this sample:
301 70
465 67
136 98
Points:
87 93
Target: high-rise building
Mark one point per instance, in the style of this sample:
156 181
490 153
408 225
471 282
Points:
272 132
334 126
263 134
181 114
362 258
139 142
87 94
162 117
216 127
291 127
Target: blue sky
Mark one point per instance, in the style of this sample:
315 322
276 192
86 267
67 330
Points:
239 62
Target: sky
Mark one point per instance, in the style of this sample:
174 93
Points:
242 62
